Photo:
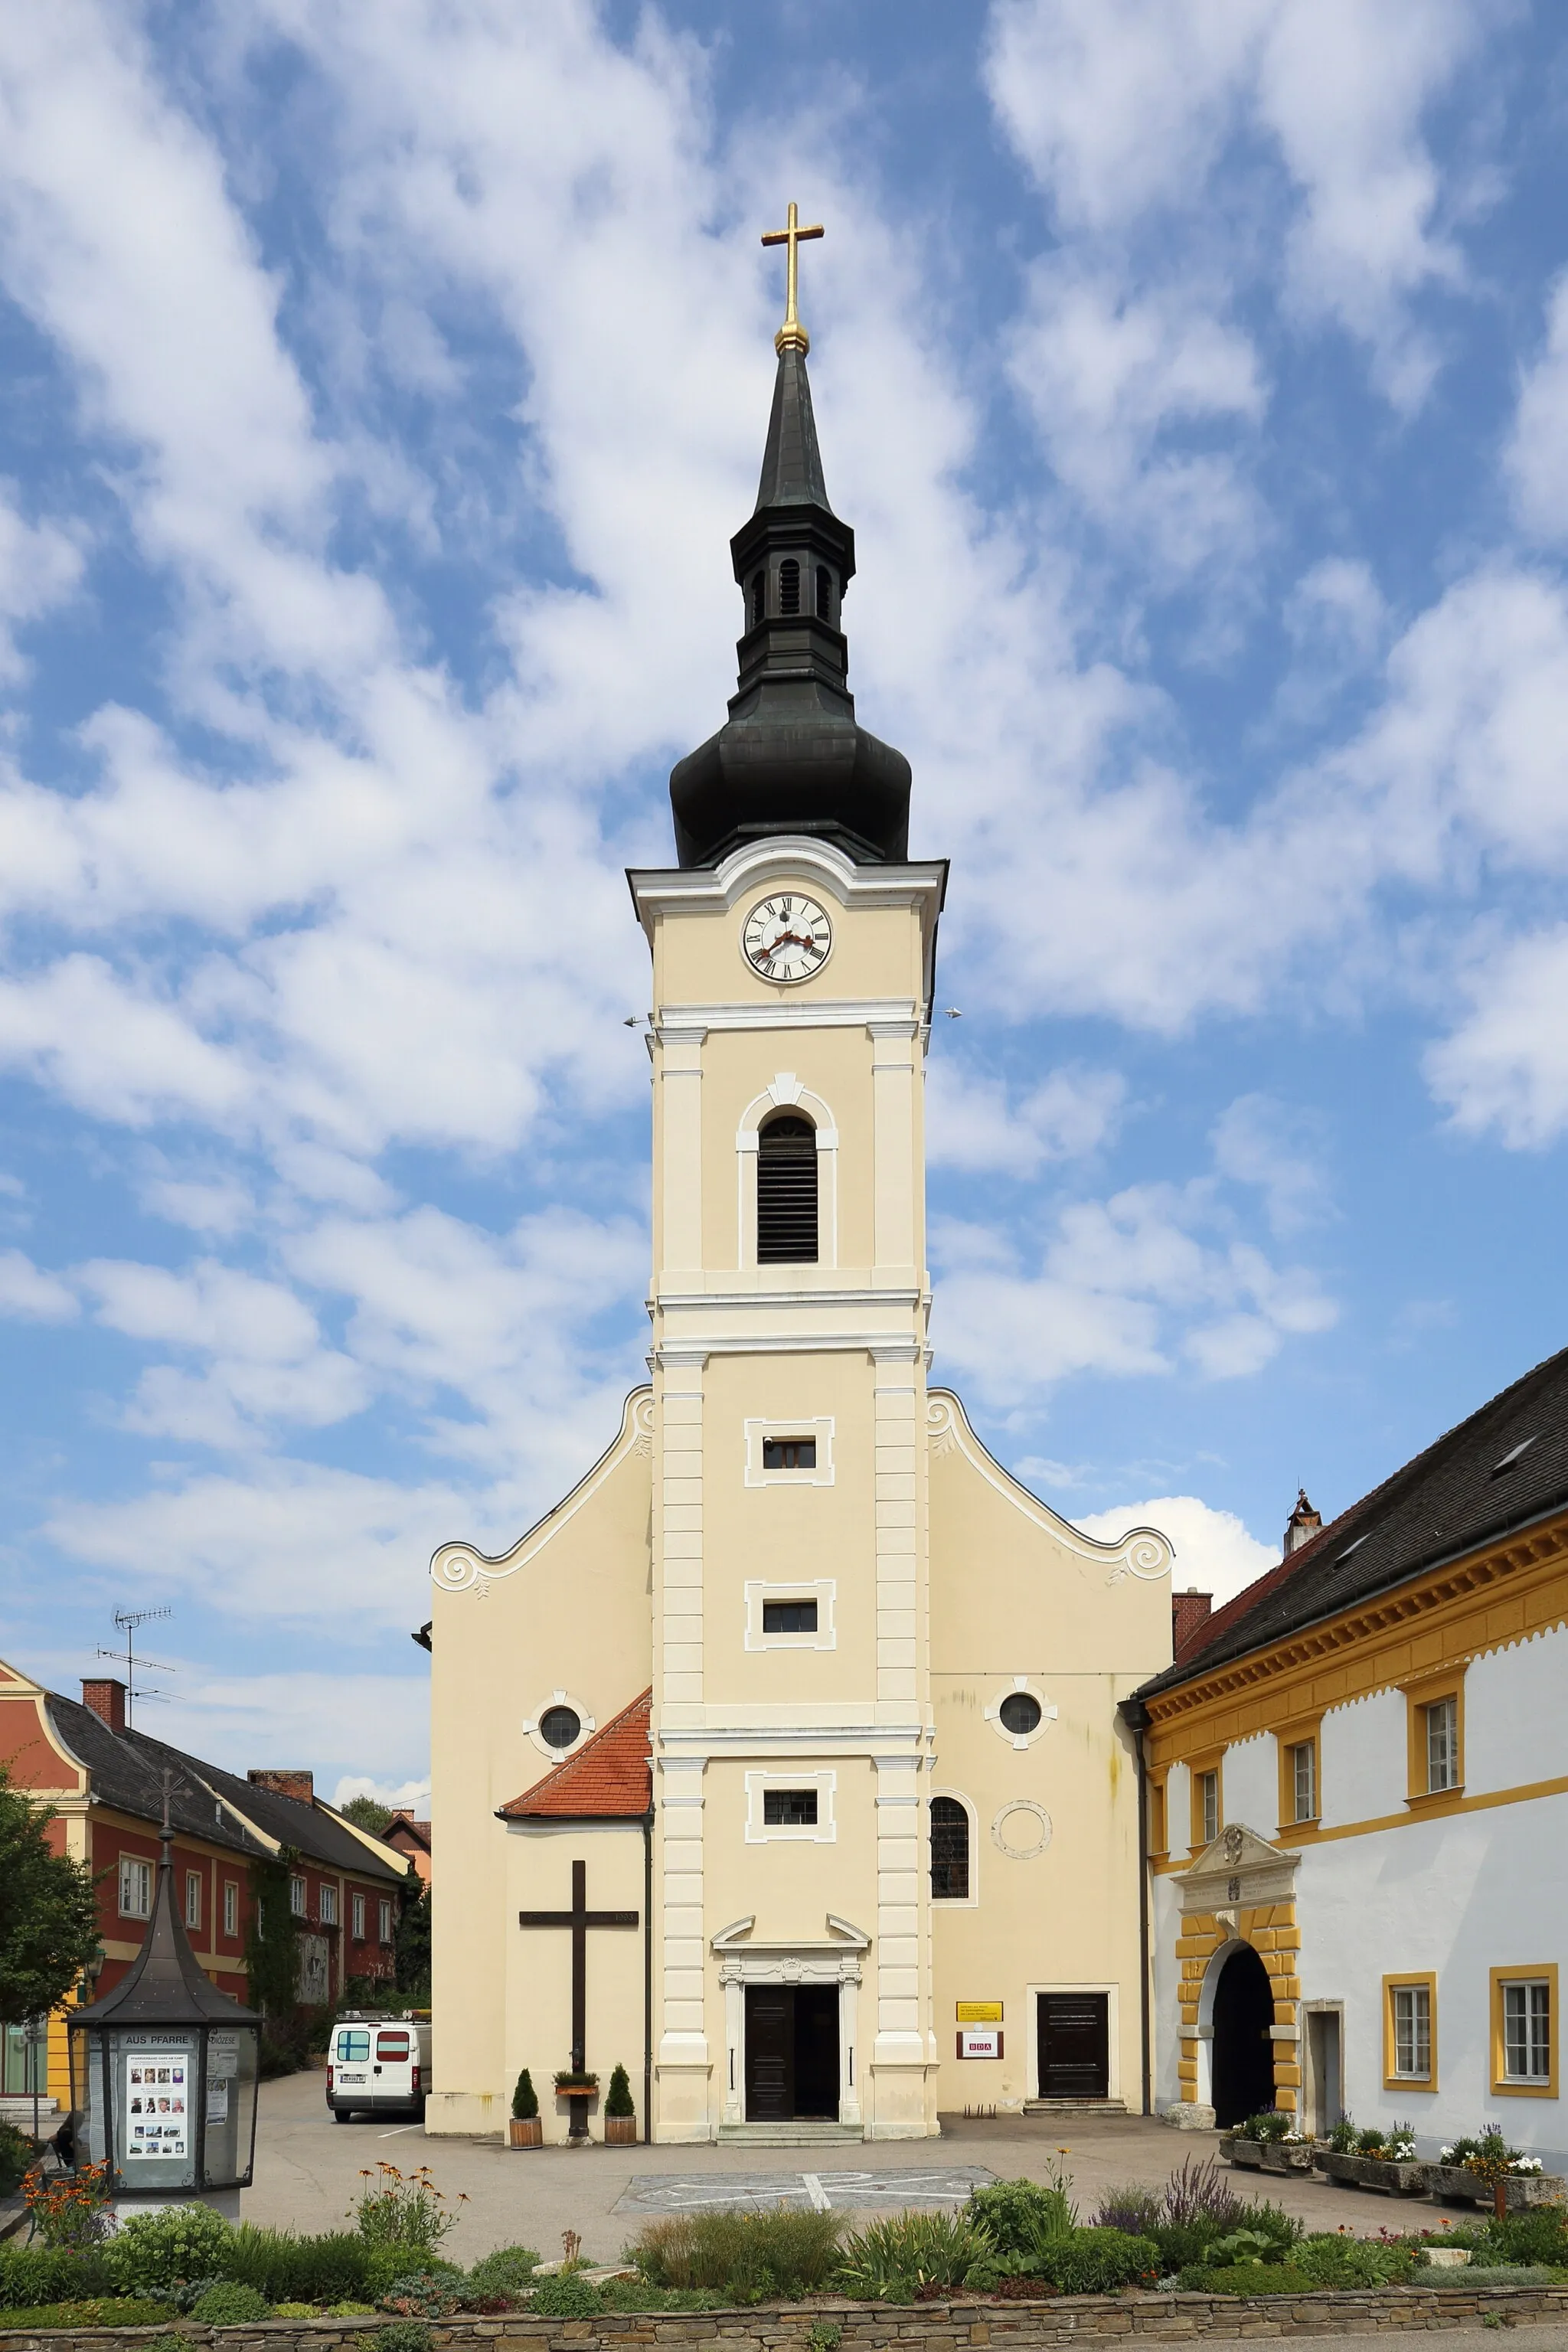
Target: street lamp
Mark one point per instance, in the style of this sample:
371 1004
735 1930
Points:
163 2073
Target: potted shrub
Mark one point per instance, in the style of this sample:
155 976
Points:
525 2129
1269 2142
1482 2169
620 2113
1374 2158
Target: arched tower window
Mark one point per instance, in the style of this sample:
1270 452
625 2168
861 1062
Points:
786 1192
756 599
824 592
789 585
949 1851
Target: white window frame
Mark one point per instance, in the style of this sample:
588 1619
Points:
384 1919
327 1904
298 1893
823 1589
1414 1996
135 1887
193 1898
586 1725
1208 1786
824 1831
1442 1744
1021 1740
356 1914
231 1906
1308 1748
786 1092
818 1425
1532 2078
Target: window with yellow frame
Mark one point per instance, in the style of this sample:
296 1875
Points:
1410 2032
1301 1793
1207 1789
1524 2031
1159 1818
1434 1738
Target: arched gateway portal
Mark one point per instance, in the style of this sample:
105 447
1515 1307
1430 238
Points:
1243 2045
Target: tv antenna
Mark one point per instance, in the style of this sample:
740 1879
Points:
130 1622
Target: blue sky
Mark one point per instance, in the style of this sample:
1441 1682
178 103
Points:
381 386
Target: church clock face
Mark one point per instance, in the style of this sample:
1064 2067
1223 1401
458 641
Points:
787 937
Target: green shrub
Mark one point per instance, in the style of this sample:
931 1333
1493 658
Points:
1271 2124
889 2260
384 2264
30 2276
618 2098
1537 2235
1100 2261
1247 2278
402 2335
1020 2217
505 2272
95 2311
1245 2246
1491 2275
566 2295
1138 2210
18 2154
421 2295
1183 2243
152 2252
404 2210
525 2098
741 2255
229 2303
286 2268
1341 2260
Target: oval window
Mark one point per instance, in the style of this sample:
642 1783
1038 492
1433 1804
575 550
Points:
1020 1713
559 1726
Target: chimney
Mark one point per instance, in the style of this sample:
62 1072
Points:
1302 1525
1189 1609
298 1785
106 1698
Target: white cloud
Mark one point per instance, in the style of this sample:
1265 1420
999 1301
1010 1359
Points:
1260 1140
1504 1068
30 1294
304 1720
1128 1286
1214 1551
975 1123
403 1796
40 566
1535 457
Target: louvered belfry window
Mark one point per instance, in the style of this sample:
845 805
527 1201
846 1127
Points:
789 585
786 1192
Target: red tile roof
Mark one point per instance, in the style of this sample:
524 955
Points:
608 1779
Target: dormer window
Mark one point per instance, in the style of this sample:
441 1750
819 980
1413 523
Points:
789 585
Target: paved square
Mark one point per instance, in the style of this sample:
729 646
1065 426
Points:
844 2192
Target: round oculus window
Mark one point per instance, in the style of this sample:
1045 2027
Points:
559 1726
1020 1713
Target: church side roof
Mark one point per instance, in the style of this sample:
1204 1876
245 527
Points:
608 1779
1503 1467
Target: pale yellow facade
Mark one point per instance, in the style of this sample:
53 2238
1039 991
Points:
940 1586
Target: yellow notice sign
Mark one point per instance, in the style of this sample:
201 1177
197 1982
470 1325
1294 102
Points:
979 2013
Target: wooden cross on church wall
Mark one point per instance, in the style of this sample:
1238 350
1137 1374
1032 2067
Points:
579 1919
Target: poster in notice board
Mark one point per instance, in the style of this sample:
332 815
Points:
157 2117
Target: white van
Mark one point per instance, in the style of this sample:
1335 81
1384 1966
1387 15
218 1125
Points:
376 2064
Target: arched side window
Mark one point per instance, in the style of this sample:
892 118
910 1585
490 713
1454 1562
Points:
789 585
949 1851
786 1192
824 592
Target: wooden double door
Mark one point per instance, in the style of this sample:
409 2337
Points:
1074 2042
792 2052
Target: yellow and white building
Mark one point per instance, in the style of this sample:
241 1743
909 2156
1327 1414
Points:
1359 1807
800 1706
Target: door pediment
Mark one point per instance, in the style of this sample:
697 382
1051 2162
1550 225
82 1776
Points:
1238 1869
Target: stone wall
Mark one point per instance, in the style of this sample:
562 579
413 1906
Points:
876 2326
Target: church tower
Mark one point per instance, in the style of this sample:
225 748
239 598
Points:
785 1755
792 953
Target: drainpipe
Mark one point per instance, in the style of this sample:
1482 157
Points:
648 1975
1135 1716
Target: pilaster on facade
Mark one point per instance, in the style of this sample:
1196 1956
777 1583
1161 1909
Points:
900 1404
683 2058
679 1072
679 1463
895 1073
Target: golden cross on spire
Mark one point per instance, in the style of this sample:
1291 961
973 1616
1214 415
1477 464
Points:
792 335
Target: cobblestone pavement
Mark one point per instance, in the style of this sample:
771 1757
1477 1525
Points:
307 2174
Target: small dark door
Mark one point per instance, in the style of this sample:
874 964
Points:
792 2052
1075 2045
770 2054
1242 2045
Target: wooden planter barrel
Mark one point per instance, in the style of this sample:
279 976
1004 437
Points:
620 2131
525 2131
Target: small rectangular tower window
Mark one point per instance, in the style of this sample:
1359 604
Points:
193 1898
230 1906
789 1453
789 1616
789 1809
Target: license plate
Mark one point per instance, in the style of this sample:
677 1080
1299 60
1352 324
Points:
350 2078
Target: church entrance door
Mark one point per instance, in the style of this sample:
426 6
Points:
1075 2045
792 2052
1242 2045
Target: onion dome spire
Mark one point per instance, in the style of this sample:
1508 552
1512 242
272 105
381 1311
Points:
790 758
